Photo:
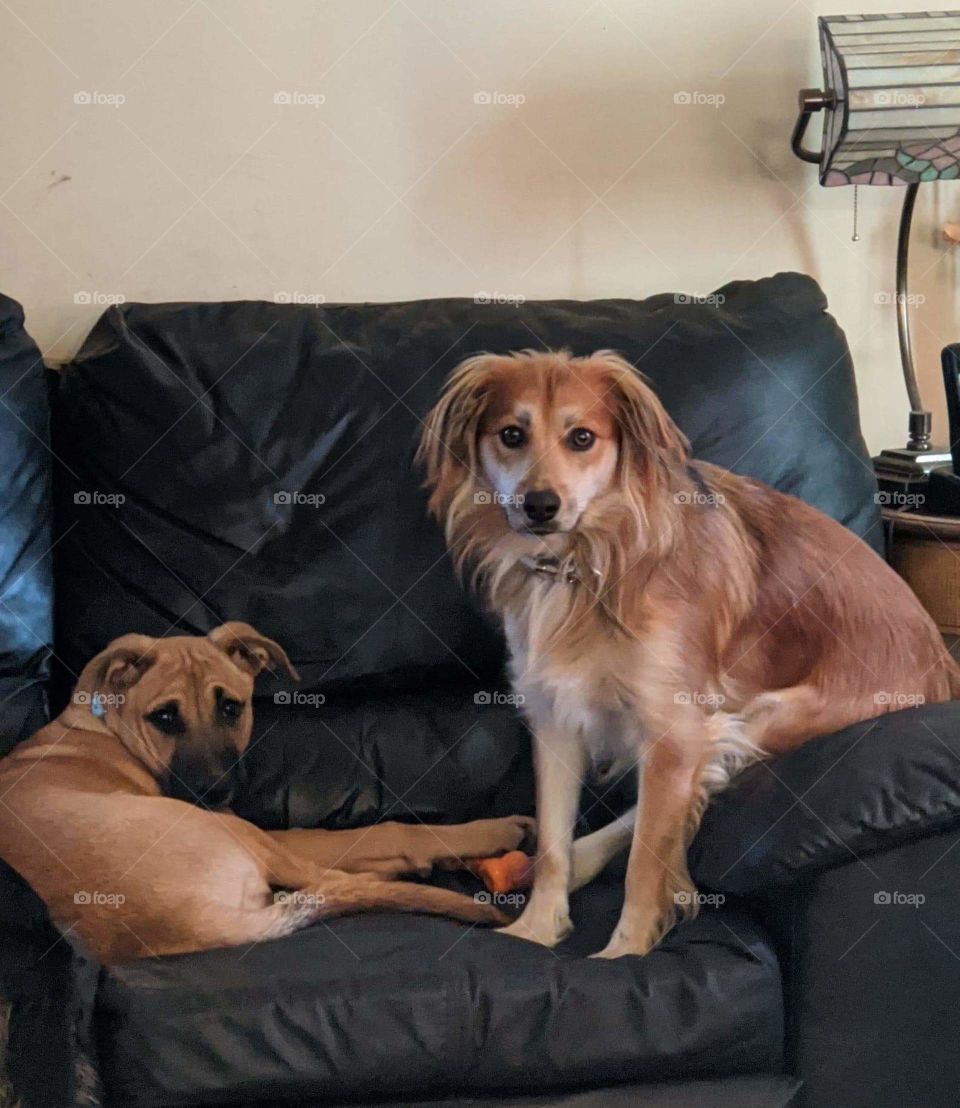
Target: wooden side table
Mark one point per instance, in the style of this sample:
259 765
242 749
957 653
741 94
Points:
925 551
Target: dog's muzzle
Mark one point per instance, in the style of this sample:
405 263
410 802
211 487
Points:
207 788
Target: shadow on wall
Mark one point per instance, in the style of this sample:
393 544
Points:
579 188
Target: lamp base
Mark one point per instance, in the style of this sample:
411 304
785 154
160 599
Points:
942 493
902 471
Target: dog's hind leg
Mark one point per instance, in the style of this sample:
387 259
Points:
732 747
771 723
297 891
778 721
342 894
592 853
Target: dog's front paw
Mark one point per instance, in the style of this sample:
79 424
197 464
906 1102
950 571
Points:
544 926
622 943
636 937
496 836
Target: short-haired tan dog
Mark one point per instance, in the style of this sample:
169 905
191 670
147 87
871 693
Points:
93 814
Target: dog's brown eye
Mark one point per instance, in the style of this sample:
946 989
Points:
167 719
230 709
581 438
512 437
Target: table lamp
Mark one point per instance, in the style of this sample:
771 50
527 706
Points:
892 117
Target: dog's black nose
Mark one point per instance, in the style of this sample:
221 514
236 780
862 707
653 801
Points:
204 783
541 506
218 795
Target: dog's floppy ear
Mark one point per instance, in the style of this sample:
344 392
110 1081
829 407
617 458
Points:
647 431
250 650
119 666
448 445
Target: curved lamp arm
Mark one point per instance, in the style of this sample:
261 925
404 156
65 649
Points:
811 100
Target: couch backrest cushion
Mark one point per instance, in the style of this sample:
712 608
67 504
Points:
252 460
264 456
26 576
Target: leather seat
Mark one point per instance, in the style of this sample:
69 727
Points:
386 1005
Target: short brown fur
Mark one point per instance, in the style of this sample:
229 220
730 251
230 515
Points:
86 819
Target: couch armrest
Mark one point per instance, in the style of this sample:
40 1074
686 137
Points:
867 949
870 787
26 575
51 985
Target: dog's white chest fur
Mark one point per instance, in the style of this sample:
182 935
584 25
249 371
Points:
582 701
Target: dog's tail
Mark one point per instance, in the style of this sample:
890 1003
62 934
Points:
345 895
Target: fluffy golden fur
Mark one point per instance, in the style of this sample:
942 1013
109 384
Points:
686 619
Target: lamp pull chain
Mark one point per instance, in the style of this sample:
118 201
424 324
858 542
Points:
855 237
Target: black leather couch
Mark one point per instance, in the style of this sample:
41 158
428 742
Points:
247 460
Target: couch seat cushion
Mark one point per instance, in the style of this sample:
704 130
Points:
392 1006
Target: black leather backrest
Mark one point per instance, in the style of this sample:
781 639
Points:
251 460
26 577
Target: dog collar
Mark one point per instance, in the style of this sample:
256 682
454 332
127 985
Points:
549 565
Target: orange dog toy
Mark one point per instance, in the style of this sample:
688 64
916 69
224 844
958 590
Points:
505 874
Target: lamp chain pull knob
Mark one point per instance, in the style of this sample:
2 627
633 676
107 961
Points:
855 237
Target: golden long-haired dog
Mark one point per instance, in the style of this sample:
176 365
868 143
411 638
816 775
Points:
659 612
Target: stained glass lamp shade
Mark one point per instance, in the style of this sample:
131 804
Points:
896 79
892 117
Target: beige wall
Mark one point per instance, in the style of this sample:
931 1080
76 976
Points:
400 184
